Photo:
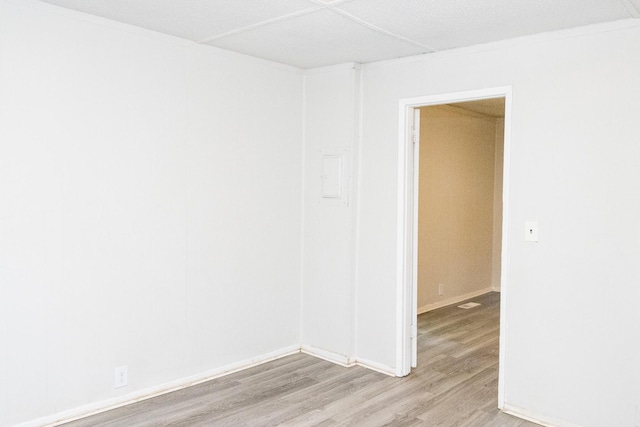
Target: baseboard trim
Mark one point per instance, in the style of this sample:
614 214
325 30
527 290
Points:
329 356
378 367
536 418
347 362
148 393
151 392
455 300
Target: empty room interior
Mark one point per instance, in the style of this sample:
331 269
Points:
206 194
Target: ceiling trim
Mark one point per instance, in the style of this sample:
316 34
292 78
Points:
332 68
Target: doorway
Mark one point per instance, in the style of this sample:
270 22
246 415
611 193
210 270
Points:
408 184
459 201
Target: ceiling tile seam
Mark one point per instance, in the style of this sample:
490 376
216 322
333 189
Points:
631 8
263 23
329 2
380 30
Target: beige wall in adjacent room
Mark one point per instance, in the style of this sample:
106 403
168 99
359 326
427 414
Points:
497 205
460 200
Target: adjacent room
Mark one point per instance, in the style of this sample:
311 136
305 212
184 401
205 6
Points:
460 201
196 191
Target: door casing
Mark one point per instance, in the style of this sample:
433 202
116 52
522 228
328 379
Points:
407 232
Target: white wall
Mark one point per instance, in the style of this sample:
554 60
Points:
143 221
571 341
149 209
331 119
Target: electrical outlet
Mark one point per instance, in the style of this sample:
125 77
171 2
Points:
440 289
121 377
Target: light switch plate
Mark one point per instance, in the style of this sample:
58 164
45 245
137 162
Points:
531 231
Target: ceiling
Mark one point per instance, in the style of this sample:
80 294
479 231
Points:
313 33
493 107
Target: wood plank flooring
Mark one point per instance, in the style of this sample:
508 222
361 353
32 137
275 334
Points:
455 384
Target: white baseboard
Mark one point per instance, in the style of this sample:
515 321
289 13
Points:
378 367
327 355
536 418
150 392
347 362
147 393
456 299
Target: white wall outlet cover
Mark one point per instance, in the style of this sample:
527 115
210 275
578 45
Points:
531 231
121 376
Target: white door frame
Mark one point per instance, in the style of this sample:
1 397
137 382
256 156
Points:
407 256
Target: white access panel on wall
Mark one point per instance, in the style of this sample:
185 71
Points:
333 177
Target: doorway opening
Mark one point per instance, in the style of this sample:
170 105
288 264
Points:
459 201
469 204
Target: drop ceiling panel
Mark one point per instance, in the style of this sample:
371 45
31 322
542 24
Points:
447 24
190 19
317 39
309 33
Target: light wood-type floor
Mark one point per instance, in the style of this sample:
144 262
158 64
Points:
455 384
